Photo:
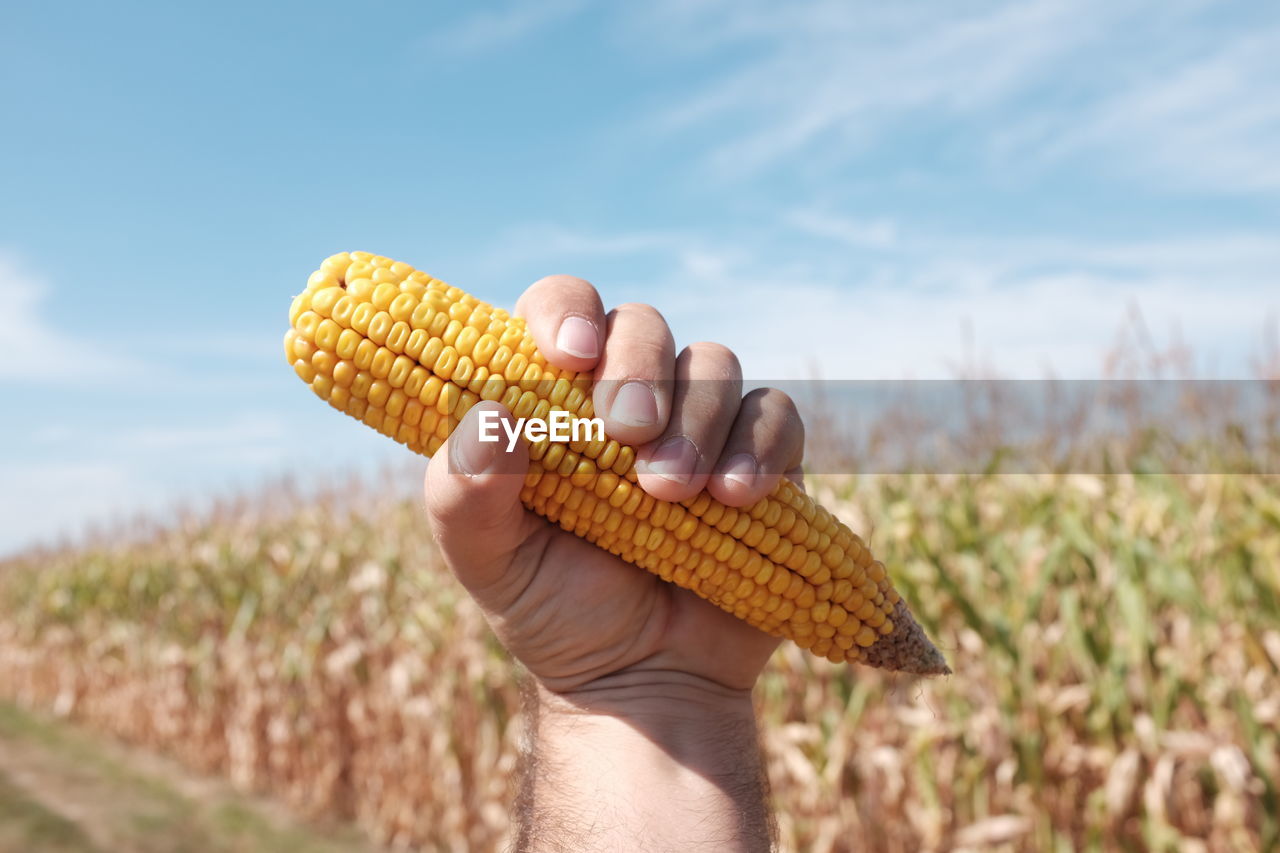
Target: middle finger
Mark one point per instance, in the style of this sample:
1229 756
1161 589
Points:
707 393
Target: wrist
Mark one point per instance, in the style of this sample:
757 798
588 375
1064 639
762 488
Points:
694 722
655 697
659 760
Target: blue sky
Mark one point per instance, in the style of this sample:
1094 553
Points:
841 189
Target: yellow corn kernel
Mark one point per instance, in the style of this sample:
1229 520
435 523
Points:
382 361
301 302
417 341
348 341
384 293
323 300
401 308
399 371
379 327
343 374
361 317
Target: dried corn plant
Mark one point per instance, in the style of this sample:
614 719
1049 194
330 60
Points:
1116 641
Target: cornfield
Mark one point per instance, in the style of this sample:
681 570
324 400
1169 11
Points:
1116 643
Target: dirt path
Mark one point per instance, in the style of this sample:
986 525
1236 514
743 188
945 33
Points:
62 789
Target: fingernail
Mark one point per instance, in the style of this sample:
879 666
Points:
470 455
635 405
742 470
578 338
674 460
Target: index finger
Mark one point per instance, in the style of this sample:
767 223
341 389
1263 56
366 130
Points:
566 318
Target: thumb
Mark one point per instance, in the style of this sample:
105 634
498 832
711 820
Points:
473 496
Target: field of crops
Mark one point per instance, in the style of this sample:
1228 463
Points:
1115 640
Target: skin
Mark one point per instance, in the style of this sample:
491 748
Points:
643 735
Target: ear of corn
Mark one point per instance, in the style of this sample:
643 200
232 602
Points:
409 355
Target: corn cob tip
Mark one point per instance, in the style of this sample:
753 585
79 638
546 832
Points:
907 648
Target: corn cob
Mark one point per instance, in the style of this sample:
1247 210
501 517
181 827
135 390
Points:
409 355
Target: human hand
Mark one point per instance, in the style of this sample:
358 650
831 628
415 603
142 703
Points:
574 615
640 728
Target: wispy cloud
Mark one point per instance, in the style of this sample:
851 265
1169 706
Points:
1154 90
853 71
490 29
536 240
872 233
870 301
36 350
929 323
42 501
79 472
1212 121
244 431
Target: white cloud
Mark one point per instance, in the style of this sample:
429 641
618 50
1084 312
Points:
42 501
239 434
923 305
540 240
853 70
948 317
489 30
1155 90
81 473
36 350
1213 121
871 233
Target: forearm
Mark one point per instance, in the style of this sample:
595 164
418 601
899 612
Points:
644 762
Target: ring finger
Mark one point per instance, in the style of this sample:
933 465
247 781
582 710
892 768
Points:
708 390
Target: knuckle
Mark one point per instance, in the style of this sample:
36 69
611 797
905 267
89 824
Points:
776 404
719 356
629 355
711 349
556 287
441 514
638 311
774 399
561 280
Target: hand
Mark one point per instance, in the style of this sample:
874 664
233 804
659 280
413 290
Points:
640 728
574 615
